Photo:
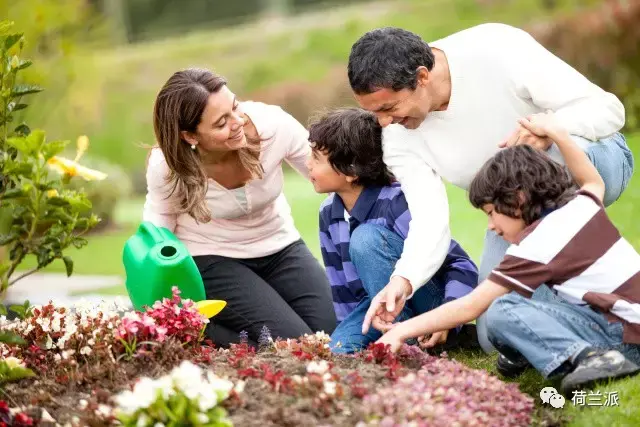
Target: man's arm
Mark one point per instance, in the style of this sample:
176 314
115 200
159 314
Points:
428 237
582 108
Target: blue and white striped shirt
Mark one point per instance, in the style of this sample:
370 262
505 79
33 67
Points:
387 207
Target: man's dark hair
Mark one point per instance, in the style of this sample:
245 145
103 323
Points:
352 140
387 58
522 178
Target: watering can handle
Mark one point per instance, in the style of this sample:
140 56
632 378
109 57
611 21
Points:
152 231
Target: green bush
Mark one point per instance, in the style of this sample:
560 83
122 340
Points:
39 214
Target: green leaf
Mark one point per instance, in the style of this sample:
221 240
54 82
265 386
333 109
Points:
79 242
22 130
20 143
12 193
9 337
5 239
11 40
3 310
24 89
36 139
68 265
58 201
13 106
53 148
24 63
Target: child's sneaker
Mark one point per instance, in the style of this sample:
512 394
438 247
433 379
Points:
598 365
511 368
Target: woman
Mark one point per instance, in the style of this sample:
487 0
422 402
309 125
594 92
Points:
216 181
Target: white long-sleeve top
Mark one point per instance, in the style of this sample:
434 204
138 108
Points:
258 224
498 74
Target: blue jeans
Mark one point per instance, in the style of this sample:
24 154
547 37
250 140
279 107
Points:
547 330
374 251
613 160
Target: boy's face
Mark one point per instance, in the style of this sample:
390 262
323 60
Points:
507 227
323 176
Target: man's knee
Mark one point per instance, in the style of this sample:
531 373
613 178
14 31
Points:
614 161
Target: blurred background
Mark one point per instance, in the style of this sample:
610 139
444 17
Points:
103 61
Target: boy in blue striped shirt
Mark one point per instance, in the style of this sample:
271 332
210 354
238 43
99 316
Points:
363 224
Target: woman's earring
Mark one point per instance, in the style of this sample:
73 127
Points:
193 146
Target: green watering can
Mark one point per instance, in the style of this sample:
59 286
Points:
155 261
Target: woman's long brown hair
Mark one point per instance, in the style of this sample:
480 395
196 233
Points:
179 107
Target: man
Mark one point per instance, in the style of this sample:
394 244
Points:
449 106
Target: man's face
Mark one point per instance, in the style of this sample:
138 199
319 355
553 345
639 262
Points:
406 107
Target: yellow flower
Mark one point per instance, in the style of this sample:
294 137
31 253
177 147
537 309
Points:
52 193
72 167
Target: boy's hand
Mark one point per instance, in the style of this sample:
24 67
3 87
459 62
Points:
544 125
388 304
435 339
393 338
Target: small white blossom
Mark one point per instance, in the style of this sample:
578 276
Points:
14 362
82 404
330 388
202 418
49 343
318 367
85 351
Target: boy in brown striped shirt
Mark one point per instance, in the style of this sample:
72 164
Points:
566 296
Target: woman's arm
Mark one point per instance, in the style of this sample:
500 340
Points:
158 207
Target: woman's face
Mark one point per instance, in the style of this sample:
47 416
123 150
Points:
221 124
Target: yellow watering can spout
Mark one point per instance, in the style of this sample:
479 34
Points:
209 308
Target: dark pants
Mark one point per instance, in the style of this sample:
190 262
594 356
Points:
287 291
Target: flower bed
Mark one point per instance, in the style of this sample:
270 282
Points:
95 367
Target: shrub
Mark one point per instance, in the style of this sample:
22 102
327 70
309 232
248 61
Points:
39 214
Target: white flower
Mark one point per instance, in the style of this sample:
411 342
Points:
158 425
145 392
318 367
86 350
91 340
207 399
82 404
14 362
104 410
165 385
143 420
202 418
127 402
57 357
49 343
68 353
186 376
239 387
330 388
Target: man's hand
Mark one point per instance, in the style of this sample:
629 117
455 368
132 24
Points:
387 305
544 125
435 339
523 135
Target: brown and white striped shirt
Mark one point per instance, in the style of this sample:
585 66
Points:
578 252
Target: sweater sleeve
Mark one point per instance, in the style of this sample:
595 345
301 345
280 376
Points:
428 236
548 82
158 206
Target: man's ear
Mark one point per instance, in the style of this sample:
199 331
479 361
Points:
422 76
189 137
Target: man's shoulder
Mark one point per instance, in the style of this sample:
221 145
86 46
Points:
480 33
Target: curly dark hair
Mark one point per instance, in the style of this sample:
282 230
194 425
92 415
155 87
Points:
522 178
387 58
352 140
